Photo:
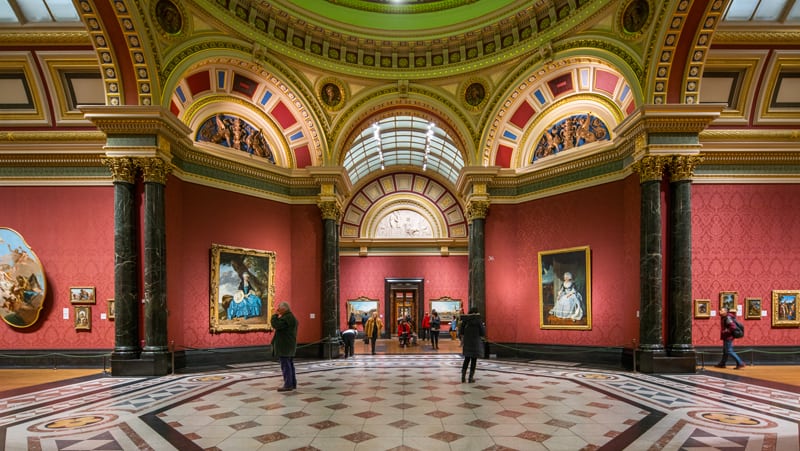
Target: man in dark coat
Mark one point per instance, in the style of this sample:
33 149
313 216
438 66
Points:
284 343
471 330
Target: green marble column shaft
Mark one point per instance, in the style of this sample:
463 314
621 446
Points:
330 278
477 212
651 257
155 264
126 260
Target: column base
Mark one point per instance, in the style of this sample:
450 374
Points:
147 365
658 362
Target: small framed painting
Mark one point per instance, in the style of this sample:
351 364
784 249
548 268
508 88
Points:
702 308
752 308
728 300
83 317
784 308
81 295
110 309
565 289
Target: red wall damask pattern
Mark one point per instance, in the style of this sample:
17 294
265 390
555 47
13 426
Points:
745 238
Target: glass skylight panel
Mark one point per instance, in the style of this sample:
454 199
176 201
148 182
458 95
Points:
63 10
35 11
7 14
770 10
794 13
741 10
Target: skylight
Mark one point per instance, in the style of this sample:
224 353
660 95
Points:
25 12
403 141
781 11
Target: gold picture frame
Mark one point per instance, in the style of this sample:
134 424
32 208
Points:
752 308
83 317
110 312
784 308
242 289
82 295
561 307
360 306
702 308
447 308
728 300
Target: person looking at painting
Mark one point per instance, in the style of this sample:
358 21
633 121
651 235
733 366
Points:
569 303
246 302
471 331
284 344
727 326
372 330
349 339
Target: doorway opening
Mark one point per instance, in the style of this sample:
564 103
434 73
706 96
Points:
404 298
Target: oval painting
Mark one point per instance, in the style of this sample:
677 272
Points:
22 283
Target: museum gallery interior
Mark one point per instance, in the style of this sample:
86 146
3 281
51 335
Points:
597 178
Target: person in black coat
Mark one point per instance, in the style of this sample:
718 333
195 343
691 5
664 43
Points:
284 344
471 330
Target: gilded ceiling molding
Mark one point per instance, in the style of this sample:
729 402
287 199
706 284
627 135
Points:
751 134
138 120
681 168
757 37
662 53
308 39
123 169
20 136
765 158
690 88
50 160
12 37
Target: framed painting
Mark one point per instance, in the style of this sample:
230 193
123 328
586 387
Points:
360 307
82 295
565 289
752 308
446 307
83 317
728 300
784 308
242 289
110 309
702 308
23 286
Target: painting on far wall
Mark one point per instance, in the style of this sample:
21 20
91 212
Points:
784 308
728 300
242 289
446 307
362 305
565 289
22 282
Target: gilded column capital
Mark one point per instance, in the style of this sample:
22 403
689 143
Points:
477 209
123 169
154 170
330 209
682 167
650 168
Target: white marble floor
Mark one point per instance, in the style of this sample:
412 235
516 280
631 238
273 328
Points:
404 402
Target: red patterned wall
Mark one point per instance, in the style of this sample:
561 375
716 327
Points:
364 276
745 238
71 230
605 218
201 216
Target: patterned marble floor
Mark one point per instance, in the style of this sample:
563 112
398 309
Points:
404 402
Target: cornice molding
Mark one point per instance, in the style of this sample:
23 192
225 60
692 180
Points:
83 137
45 37
748 37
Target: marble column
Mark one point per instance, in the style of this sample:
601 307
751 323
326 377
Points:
155 171
331 213
126 261
680 256
650 170
476 214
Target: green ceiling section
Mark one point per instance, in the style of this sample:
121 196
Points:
402 16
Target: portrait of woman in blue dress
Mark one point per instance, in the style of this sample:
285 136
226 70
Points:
246 301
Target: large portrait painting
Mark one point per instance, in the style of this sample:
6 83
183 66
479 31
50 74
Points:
446 307
784 308
565 289
242 289
22 283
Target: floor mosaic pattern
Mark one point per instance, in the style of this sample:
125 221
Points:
408 402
